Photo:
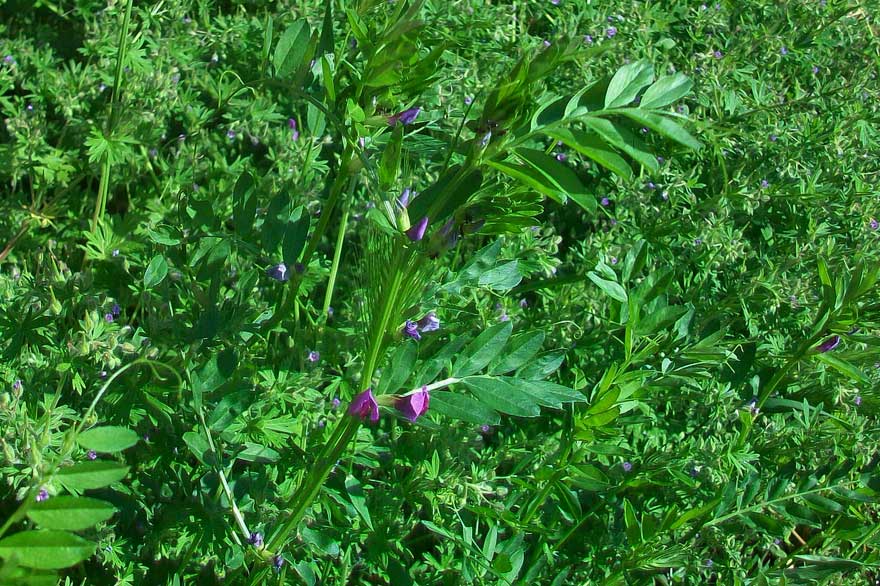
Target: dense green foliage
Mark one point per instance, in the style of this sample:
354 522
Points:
651 245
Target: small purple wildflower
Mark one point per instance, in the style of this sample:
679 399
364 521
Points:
660 160
644 130
874 224
115 310
414 405
783 51
335 403
485 428
468 100
614 260
858 400
291 123
829 344
411 329
16 386
364 405
561 157
92 455
523 303
417 232
773 138
665 195
9 59
753 406
611 31
313 356
485 140
115 253
256 539
29 107
605 202
408 116
429 323
108 317
627 466
154 152
278 562
764 184
718 54
102 87
504 317
102 374
815 69
42 495
709 563
230 134
698 241
554 2
278 272
330 311
403 200
546 43
650 185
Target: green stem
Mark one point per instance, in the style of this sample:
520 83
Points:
337 252
104 185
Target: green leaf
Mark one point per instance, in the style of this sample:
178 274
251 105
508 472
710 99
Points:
70 512
46 549
545 393
590 145
401 367
358 499
660 319
296 232
107 439
156 271
504 277
663 125
543 366
91 475
502 396
463 407
290 52
390 163
560 176
244 206
482 350
623 140
627 82
199 447
666 90
520 350
258 453
610 288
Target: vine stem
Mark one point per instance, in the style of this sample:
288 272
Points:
337 252
104 185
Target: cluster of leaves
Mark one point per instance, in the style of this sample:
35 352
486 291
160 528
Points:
666 326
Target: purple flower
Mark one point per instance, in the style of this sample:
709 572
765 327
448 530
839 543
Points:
278 272
588 39
554 2
115 253
858 400
414 405
468 100
645 130
256 539
783 51
614 260
523 303
154 153
546 43
411 329
485 428
406 117
764 184
829 344
874 224
115 310
665 195
313 356
16 386
92 455
277 562
291 123
417 232
650 185
627 466
230 134
611 31
429 323
102 374
718 54
773 138
335 403
364 405
42 495
504 317
815 69
108 317
605 201
403 200
561 157
660 160
9 59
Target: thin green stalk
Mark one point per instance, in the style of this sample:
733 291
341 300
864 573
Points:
104 185
337 252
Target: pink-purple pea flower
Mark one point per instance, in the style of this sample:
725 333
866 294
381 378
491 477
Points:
364 405
414 405
829 344
417 231
408 116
